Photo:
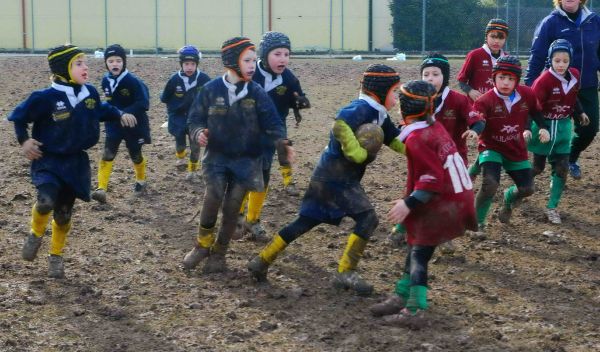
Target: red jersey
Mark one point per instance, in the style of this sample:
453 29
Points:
477 69
556 95
453 114
505 121
434 165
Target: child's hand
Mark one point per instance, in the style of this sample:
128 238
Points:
128 120
203 138
544 135
470 134
584 120
302 102
31 149
399 211
474 94
527 135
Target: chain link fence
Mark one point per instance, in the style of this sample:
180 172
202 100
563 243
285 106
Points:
422 26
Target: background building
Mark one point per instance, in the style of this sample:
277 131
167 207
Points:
164 25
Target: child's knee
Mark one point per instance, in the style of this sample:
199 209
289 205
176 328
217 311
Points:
62 216
489 186
44 204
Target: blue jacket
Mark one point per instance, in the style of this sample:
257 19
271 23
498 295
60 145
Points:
235 127
179 93
129 94
66 120
584 36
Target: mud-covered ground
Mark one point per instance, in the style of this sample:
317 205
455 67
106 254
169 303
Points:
528 286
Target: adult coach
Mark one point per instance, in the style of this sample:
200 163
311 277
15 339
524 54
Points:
573 21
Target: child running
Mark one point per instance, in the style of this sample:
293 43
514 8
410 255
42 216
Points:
506 110
228 117
284 89
334 191
556 90
438 203
65 122
179 93
123 90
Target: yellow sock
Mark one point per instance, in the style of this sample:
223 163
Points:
286 174
244 202
104 171
59 237
206 237
352 254
140 170
193 166
181 154
270 252
38 221
256 200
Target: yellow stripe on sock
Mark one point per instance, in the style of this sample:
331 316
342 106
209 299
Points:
181 154
140 170
256 200
38 221
206 237
244 202
193 166
352 254
286 174
270 252
104 171
59 237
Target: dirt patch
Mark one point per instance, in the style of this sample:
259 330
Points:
529 286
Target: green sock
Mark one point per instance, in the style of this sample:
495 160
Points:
399 228
403 286
509 195
482 208
417 299
556 188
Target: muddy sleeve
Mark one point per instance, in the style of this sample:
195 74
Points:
198 115
350 146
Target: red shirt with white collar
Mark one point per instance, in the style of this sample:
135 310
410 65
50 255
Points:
453 114
434 165
557 96
505 121
477 69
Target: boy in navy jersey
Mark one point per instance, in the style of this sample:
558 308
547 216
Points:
284 89
126 92
228 117
179 93
65 122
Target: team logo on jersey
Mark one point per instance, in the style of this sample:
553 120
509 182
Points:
220 101
61 112
125 92
179 92
556 90
508 129
107 92
90 103
489 81
560 109
280 90
498 109
248 103
524 106
485 62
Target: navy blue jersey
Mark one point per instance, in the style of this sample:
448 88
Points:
66 123
235 120
333 165
179 93
129 94
281 88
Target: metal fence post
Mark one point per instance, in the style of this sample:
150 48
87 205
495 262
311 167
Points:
423 26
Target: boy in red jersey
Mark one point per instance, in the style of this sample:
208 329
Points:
437 187
475 76
506 110
556 90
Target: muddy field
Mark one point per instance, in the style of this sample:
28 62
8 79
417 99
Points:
528 286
